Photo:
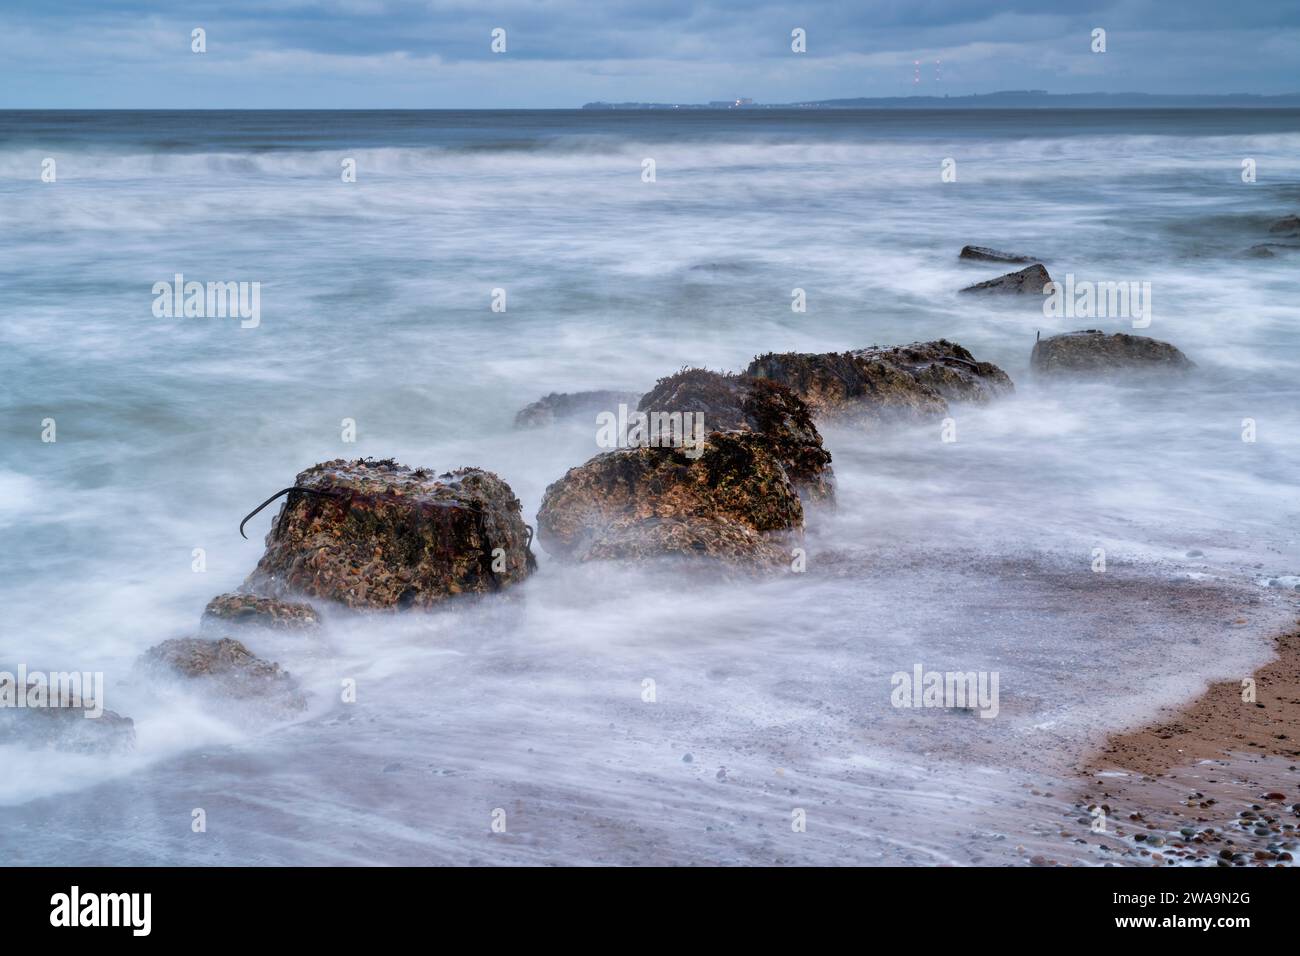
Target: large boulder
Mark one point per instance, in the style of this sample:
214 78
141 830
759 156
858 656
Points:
83 728
742 403
376 534
1092 352
985 254
240 609
1032 279
911 383
226 667
734 503
571 406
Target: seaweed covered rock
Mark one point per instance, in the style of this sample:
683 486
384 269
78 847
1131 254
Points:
1032 279
1093 353
734 503
571 406
82 727
985 254
910 383
742 403
240 609
228 668
376 534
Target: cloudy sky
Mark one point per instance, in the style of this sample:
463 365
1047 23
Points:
561 53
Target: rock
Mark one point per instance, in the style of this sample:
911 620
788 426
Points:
1032 279
1289 227
238 608
910 383
734 503
947 368
1265 250
65 728
841 386
228 668
985 254
376 534
1093 352
741 403
575 406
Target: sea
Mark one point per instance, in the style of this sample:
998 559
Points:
1104 548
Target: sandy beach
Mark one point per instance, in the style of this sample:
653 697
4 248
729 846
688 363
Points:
1214 782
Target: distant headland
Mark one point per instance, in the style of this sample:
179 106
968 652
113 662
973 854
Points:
1007 99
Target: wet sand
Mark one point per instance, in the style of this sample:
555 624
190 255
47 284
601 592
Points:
1215 782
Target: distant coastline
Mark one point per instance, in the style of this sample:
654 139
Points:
1008 99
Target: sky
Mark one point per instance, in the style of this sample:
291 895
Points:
358 54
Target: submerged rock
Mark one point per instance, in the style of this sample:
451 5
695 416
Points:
238 608
228 668
1265 250
909 383
376 534
734 503
985 254
1289 227
574 406
66 728
1030 280
1093 352
742 403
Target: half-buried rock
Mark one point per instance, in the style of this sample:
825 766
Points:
733 505
1029 280
1093 353
227 668
239 609
904 384
742 403
47 718
376 534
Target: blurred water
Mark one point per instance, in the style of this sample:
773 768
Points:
375 306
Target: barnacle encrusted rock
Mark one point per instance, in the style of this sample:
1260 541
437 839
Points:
741 403
571 406
377 534
68 728
238 608
947 368
909 383
1093 353
227 667
734 503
